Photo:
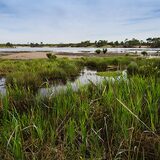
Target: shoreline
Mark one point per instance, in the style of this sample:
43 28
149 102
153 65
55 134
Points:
42 55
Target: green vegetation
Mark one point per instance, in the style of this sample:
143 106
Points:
109 73
154 42
34 73
127 43
102 64
105 50
7 45
109 120
132 68
144 53
51 56
98 51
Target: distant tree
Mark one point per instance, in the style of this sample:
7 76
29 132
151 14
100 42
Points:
8 44
153 42
111 43
98 51
105 50
116 43
122 43
41 44
101 43
85 44
34 45
149 40
132 43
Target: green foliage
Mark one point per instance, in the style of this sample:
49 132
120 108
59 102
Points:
110 120
154 42
77 125
105 50
131 43
51 56
115 61
101 43
8 44
109 74
34 73
132 68
144 53
98 51
24 79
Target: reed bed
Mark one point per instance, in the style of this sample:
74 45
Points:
111 120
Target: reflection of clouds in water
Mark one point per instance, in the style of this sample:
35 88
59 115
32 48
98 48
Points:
2 86
85 77
77 50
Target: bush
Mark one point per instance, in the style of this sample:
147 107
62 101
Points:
144 53
98 51
51 56
146 70
132 68
105 51
127 54
115 62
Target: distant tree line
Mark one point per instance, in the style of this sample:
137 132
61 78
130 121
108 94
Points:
6 45
153 42
127 43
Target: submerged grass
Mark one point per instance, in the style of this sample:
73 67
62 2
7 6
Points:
112 120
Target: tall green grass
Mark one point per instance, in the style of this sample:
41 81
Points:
34 73
111 120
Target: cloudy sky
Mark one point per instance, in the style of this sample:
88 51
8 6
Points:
57 21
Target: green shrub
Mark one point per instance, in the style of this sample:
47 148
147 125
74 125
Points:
115 62
51 56
127 54
132 68
105 50
144 53
98 51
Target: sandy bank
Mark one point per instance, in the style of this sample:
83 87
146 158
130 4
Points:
41 55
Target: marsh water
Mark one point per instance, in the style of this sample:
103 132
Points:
75 49
2 86
86 76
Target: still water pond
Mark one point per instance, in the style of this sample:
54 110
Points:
86 76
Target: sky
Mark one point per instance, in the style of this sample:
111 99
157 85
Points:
61 21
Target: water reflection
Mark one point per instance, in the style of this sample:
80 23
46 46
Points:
2 86
76 49
86 76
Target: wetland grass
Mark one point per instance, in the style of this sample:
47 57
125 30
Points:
110 120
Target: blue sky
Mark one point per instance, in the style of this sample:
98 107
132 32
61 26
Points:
57 21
